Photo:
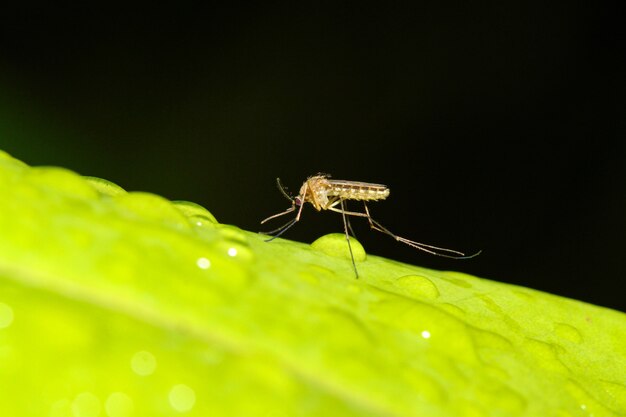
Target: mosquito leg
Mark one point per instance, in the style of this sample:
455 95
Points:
289 210
350 228
347 218
278 229
345 229
287 225
349 213
283 230
375 225
421 246
332 205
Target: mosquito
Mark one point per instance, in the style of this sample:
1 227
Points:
326 194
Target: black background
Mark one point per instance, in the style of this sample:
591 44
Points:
497 126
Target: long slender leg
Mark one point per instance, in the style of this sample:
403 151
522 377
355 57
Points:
279 231
289 210
288 225
345 229
417 245
421 246
350 228
345 204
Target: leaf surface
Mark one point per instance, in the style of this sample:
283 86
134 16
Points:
126 304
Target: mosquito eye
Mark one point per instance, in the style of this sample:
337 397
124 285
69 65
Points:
297 201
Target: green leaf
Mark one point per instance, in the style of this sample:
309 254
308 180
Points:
126 304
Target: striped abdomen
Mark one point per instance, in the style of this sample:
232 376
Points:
354 190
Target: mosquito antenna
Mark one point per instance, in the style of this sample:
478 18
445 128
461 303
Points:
283 190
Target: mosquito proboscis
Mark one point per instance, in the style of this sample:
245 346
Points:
325 193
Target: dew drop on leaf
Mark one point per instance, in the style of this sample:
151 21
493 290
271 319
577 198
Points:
182 398
143 363
6 316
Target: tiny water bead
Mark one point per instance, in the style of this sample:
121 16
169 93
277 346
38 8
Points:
8 160
203 263
143 363
86 404
61 181
426 334
61 408
545 355
104 187
119 404
6 315
182 398
458 278
336 245
567 332
417 286
233 234
152 208
194 212
234 243
200 221
235 250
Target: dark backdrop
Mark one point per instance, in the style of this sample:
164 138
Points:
498 127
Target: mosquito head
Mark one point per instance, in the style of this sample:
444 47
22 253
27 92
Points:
297 201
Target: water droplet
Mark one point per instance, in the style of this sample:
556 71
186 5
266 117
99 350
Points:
234 243
6 316
309 278
586 402
8 161
418 286
203 263
428 389
182 398
545 355
201 221
567 332
492 348
488 340
151 207
61 181
335 244
426 334
617 392
61 408
104 187
143 363
119 404
234 234
454 310
355 288
235 251
86 404
446 332
347 326
194 212
320 271
457 278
